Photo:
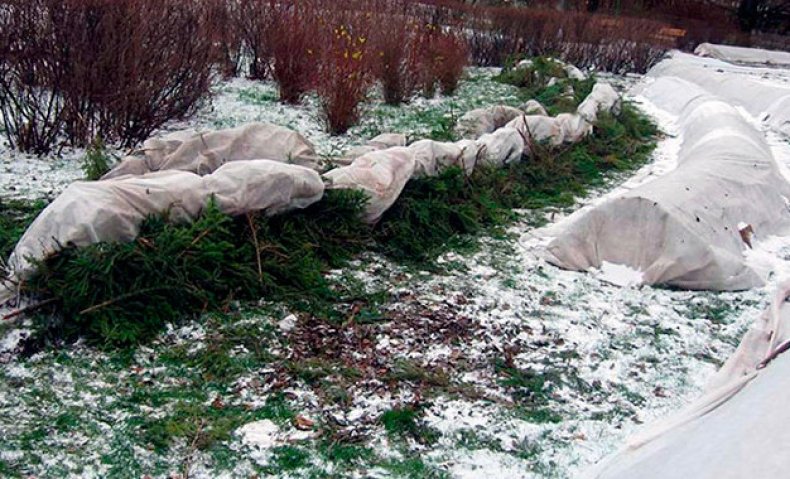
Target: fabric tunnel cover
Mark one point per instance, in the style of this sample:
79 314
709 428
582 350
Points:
683 229
737 429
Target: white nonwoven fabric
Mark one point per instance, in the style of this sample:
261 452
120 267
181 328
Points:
682 229
736 429
113 210
204 152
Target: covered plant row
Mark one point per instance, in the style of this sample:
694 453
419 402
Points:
151 249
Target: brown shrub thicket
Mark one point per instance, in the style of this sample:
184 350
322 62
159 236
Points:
608 43
71 70
395 54
254 24
447 56
225 29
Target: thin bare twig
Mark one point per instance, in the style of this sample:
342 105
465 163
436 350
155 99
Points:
257 246
118 299
27 309
193 448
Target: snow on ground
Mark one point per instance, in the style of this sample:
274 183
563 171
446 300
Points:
587 362
25 176
241 101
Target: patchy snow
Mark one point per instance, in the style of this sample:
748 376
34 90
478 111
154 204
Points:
239 101
25 176
484 463
288 323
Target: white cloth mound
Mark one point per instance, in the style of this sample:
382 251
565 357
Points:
475 123
602 98
382 175
433 156
533 107
502 147
743 55
204 152
682 229
112 210
538 128
470 153
737 429
569 127
381 142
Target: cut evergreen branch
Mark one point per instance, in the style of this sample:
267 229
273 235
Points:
564 96
97 160
123 293
15 217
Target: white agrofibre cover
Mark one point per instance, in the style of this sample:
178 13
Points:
476 123
193 168
204 152
569 127
743 55
682 229
112 210
761 99
433 156
381 175
737 429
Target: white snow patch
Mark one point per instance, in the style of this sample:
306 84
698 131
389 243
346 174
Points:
620 274
260 434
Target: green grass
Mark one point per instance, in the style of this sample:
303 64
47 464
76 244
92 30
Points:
206 425
257 96
405 423
530 390
413 468
288 458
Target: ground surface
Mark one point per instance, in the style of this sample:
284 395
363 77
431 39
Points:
495 364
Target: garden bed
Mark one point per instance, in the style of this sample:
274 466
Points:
422 357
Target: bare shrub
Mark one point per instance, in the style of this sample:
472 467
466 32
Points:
225 22
31 86
608 43
256 23
294 42
119 69
449 57
344 72
395 54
